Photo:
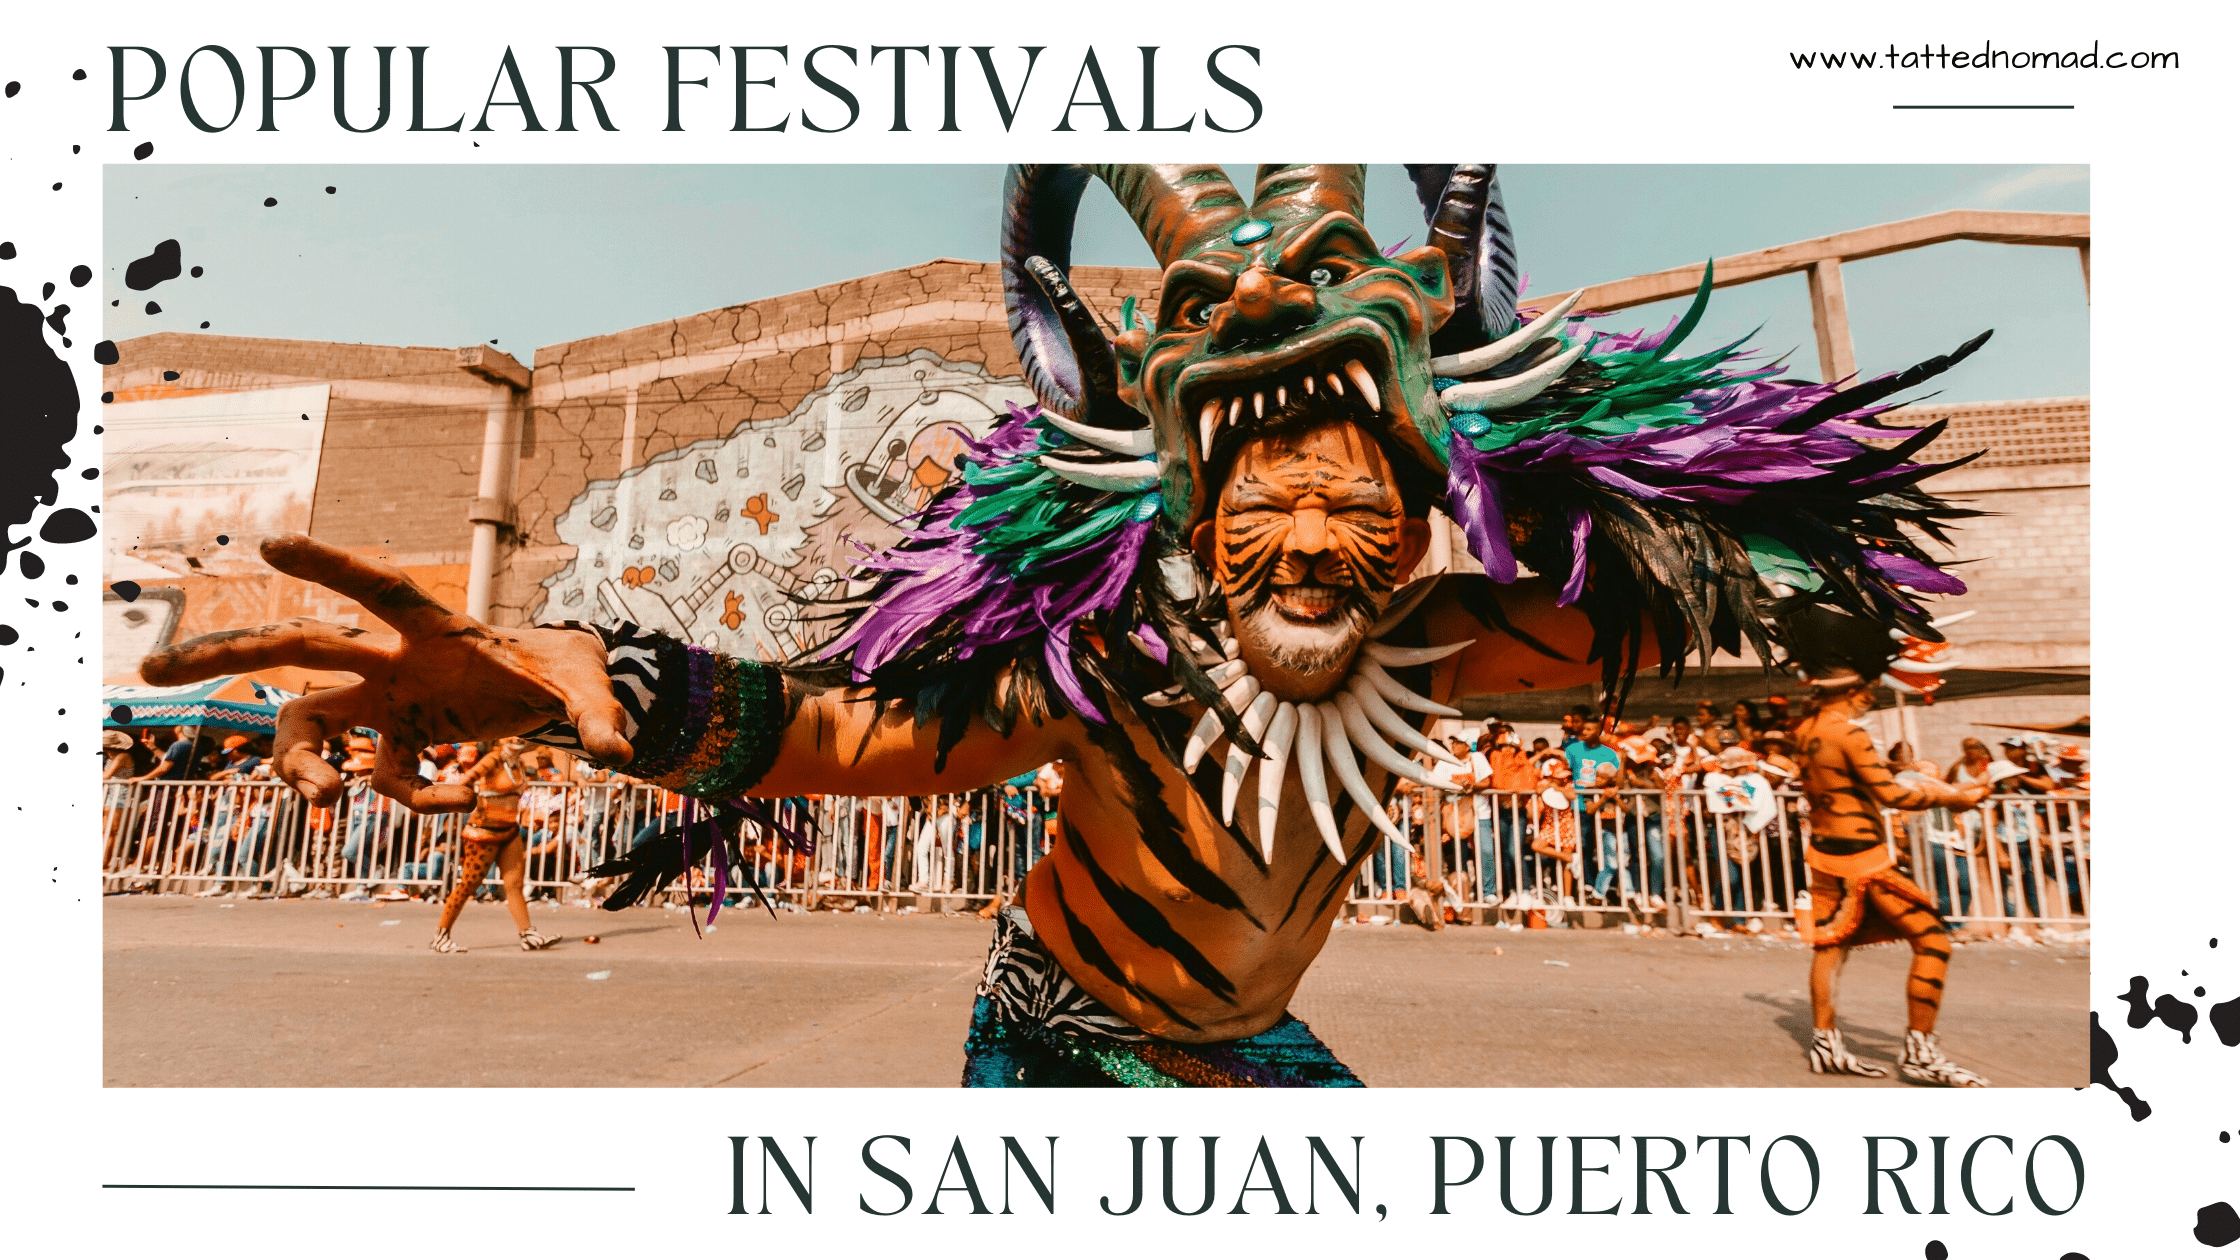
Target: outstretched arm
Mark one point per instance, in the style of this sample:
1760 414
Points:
1874 776
662 710
1545 646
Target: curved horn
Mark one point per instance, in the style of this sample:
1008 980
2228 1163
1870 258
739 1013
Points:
1468 221
1301 191
1068 359
1177 208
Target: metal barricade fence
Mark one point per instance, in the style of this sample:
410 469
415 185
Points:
1673 858
1677 859
255 836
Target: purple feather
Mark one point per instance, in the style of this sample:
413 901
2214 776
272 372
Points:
1736 454
940 577
1907 571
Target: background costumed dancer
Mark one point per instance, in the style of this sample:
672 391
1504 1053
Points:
492 834
1859 895
1182 576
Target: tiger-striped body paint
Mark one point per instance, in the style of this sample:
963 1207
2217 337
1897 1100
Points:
1858 895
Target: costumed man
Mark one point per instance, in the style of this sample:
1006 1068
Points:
1859 894
491 789
1182 573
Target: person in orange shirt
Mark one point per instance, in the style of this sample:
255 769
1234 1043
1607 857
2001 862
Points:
1511 780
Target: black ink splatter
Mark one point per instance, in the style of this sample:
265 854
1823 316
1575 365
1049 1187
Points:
2103 1058
2216 1225
13 88
223 540
170 376
143 150
46 290
121 715
67 526
38 414
7 635
81 276
105 353
78 75
161 264
271 201
126 590
7 250
1934 1251
33 566
2180 1016
195 272
2225 1018
55 317
206 323
330 188
153 309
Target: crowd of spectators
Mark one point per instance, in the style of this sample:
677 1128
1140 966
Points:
1706 807
574 814
1627 816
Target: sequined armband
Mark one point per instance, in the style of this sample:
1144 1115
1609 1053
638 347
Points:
700 723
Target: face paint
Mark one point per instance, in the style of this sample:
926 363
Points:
1308 542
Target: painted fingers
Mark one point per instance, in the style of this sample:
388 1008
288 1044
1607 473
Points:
302 642
303 728
383 588
396 775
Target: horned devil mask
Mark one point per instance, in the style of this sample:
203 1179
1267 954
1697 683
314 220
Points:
1219 495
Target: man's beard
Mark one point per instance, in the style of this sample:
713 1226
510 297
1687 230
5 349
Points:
1307 647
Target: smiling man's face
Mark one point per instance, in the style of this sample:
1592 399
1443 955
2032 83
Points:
1308 541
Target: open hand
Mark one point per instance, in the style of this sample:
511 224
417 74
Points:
448 678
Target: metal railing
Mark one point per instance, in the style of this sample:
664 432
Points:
262 837
1653 857
1677 859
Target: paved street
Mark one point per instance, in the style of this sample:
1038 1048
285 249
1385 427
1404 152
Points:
201 992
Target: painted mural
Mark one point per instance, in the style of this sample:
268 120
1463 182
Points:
718 542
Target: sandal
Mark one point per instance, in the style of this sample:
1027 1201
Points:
443 944
533 940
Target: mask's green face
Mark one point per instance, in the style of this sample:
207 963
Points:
1280 320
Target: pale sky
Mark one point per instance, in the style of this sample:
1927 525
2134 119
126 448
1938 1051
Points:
536 255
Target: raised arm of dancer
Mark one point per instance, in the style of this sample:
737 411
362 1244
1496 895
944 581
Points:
446 677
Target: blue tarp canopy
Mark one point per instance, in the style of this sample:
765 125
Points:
230 701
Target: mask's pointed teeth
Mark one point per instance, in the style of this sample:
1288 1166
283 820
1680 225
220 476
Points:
1133 476
1510 391
1283 728
1280 397
1381 715
1259 405
1390 688
1485 358
1227 672
1208 416
1256 721
1337 386
1309 750
1359 375
1236 405
1371 742
1339 751
1310 384
1202 736
1386 654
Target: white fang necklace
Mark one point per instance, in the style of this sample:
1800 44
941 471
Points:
1318 735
